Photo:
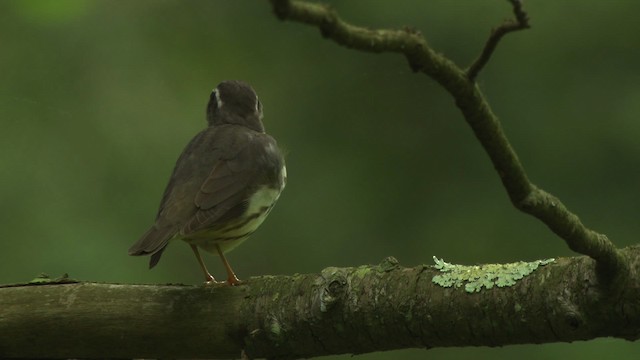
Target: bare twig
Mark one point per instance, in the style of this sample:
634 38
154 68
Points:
476 110
521 22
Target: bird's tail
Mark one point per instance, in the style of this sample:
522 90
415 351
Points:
153 243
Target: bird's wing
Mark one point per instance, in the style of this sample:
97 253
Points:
176 205
203 192
225 192
182 170
152 242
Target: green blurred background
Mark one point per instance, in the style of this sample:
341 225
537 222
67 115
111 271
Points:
98 98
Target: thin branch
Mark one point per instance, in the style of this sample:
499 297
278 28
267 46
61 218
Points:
476 110
339 310
521 22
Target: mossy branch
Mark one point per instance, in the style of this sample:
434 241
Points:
476 110
340 310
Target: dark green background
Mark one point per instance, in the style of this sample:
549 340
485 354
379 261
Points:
98 98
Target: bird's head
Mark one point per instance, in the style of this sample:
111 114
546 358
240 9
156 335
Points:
235 102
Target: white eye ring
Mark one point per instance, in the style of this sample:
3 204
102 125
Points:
218 100
258 108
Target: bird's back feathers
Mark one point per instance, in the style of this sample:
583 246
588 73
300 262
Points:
213 178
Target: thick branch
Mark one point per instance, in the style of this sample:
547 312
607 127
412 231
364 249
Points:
477 112
340 310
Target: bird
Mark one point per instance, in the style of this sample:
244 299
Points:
224 184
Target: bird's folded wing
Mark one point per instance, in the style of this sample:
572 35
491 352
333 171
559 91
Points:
154 240
222 195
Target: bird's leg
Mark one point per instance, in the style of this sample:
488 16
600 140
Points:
208 278
232 279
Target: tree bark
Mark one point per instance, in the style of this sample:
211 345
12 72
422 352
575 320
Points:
340 310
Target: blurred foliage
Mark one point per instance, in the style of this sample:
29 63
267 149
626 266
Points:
98 98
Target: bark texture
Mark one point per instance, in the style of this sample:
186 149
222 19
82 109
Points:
340 310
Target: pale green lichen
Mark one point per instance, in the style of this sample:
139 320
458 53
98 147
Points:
275 331
474 278
275 327
361 272
43 279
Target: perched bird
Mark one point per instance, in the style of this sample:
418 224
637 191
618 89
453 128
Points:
224 184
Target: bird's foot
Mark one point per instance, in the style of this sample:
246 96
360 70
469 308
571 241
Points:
210 280
233 280
214 282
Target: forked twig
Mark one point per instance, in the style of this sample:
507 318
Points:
521 22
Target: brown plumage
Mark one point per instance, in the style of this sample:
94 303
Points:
223 185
